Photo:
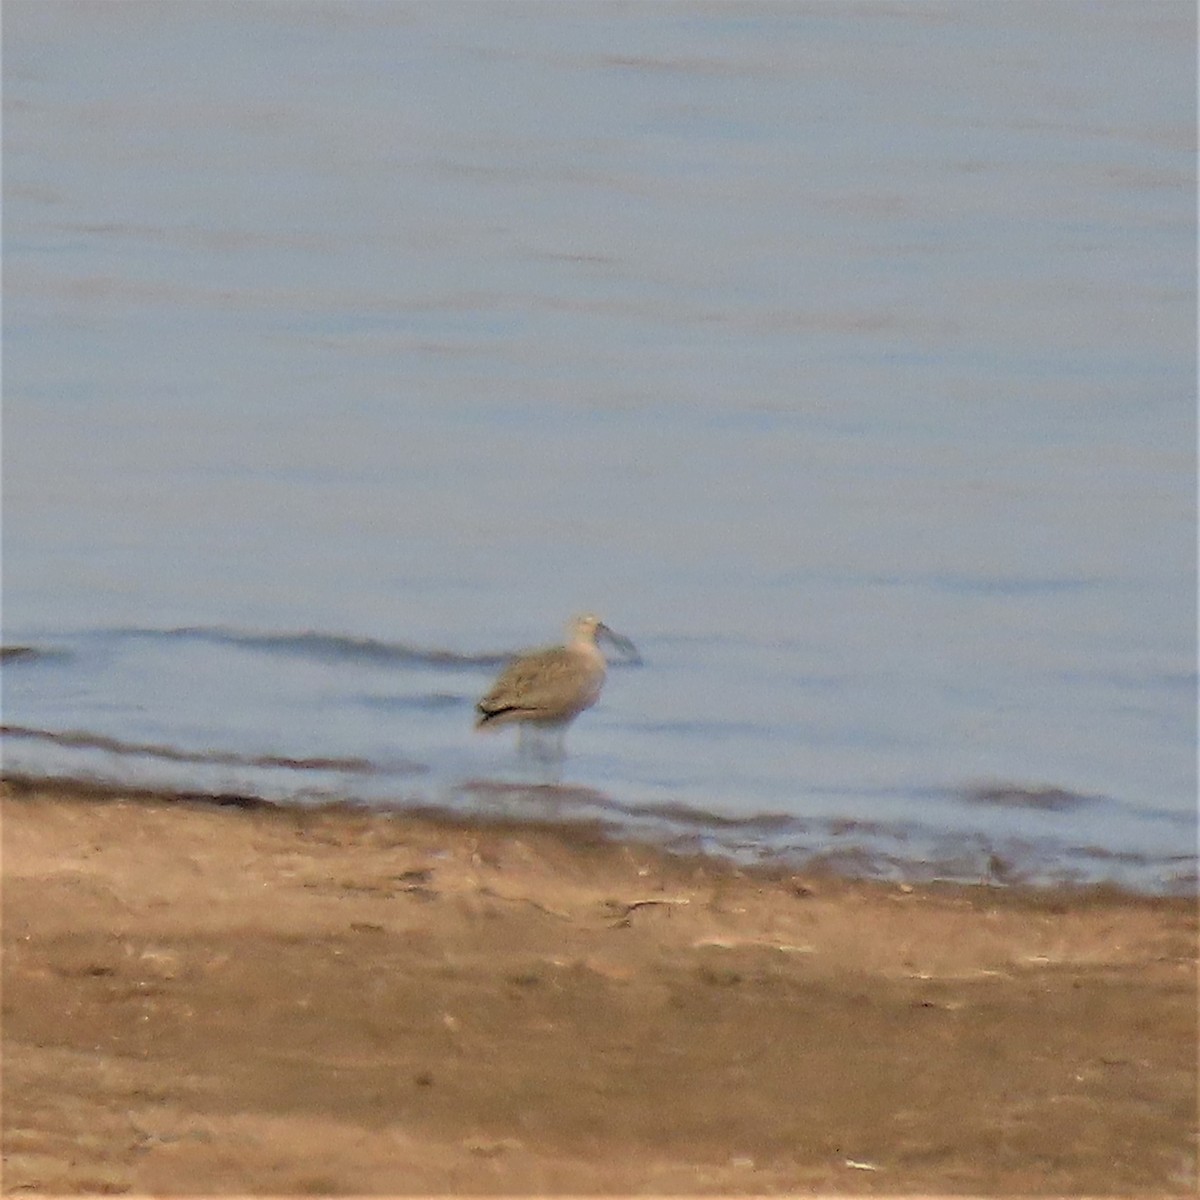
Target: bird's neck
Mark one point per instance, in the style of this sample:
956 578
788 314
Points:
586 648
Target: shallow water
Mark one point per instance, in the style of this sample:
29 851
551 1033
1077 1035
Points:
840 355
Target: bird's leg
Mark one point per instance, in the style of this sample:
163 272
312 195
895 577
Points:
525 742
532 743
559 747
551 754
544 746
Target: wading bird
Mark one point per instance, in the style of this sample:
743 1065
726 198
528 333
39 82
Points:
546 690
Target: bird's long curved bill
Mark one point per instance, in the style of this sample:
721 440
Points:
628 650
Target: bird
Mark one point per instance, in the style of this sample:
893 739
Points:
547 689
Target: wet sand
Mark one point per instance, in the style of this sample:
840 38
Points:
210 999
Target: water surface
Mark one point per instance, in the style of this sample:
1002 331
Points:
842 355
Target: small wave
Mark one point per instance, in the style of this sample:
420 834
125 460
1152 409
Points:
101 789
1183 681
1047 799
672 813
709 730
996 586
549 795
223 758
684 814
324 646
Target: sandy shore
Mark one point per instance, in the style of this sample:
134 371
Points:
216 999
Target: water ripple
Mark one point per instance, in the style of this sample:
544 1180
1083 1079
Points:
81 739
322 646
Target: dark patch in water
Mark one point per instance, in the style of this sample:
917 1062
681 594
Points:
1134 857
222 758
10 654
431 702
1047 799
840 826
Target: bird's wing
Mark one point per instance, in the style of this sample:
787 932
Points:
546 681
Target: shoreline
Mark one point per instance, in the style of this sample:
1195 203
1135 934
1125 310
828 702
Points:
995 866
267 998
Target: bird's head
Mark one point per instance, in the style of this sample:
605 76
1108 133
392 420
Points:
589 628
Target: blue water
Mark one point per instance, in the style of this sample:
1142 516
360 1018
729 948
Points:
840 355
